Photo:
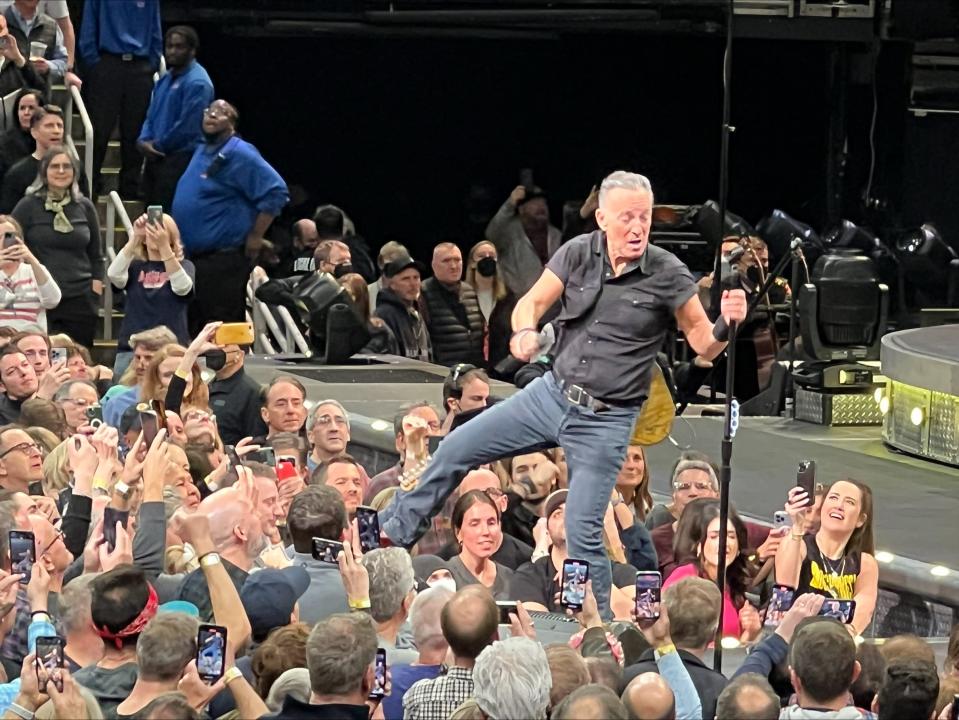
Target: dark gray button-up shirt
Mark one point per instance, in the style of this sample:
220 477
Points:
612 327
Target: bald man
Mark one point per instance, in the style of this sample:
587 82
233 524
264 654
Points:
237 532
52 553
453 314
512 552
469 622
590 702
648 697
300 258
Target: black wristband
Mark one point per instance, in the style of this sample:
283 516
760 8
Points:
721 329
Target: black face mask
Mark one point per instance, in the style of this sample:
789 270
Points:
215 359
486 266
342 269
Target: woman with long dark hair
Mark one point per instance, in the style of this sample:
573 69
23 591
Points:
632 483
476 524
696 546
837 561
61 228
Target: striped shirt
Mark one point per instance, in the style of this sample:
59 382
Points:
23 302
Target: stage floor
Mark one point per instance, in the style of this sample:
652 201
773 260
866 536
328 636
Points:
917 501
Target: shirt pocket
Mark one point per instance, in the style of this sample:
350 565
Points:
639 313
578 298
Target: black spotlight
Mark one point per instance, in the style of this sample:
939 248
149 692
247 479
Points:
336 328
930 265
779 230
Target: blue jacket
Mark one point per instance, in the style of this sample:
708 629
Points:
222 191
120 28
175 118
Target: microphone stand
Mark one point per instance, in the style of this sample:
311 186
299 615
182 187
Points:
725 471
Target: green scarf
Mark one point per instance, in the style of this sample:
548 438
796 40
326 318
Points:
60 222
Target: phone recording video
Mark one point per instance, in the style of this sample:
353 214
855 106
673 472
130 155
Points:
9 240
326 551
379 675
806 479
285 468
842 610
49 654
155 214
649 587
575 575
149 425
264 455
23 553
110 518
211 652
94 415
58 354
779 603
505 607
368 523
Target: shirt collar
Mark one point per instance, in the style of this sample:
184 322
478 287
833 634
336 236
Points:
25 25
599 248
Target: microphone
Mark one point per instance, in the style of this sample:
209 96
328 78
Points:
729 275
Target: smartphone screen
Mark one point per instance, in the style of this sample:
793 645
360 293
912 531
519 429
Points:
264 455
806 479
155 214
110 517
379 675
842 610
211 652
285 469
159 408
779 603
326 550
648 588
575 575
50 658
23 553
368 523
148 421
505 607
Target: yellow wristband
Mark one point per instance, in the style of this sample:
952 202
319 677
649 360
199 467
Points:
664 650
100 483
231 674
182 375
363 604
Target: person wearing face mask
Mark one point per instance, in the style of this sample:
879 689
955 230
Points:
452 310
333 256
496 302
234 395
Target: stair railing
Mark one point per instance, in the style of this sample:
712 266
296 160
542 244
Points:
75 100
115 210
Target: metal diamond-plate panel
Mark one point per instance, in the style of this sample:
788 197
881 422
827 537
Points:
944 427
809 406
860 409
902 432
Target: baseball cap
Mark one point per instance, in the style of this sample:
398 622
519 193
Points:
180 606
554 500
268 596
401 263
426 565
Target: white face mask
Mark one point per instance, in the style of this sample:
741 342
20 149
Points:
448 583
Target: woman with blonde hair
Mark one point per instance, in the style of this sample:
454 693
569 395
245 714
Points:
56 471
495 301
157 280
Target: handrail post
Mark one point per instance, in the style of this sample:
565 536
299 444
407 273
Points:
111 221
87 133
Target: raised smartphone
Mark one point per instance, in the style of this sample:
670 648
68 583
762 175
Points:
264 455
326 550
50 657
806 479
57 354
155 214
110 518
150 426
649 586
211 652
779 603
23 553
379 675
842 610
575 575
239 333
368 523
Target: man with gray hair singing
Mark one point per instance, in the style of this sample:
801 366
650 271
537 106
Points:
619 296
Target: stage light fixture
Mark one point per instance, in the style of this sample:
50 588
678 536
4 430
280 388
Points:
884 556
849 235
939 571
884 405
779 230
931 265
916 416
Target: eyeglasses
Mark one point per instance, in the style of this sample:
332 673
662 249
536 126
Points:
494 493
683 486
59 536
329 419
61 167
80 402
197 415
216 114
27 448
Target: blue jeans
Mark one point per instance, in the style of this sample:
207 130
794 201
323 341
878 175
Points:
537 417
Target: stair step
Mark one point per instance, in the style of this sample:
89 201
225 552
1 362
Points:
134 208
112 157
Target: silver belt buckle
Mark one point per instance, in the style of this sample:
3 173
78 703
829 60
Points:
126 57
578 400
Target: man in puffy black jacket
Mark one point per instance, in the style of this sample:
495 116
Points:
453 316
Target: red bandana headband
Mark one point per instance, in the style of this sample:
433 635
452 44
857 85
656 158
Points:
136 625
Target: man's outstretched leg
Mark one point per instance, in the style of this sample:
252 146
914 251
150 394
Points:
530 418
595 445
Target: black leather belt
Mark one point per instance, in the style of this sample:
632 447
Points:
577 395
